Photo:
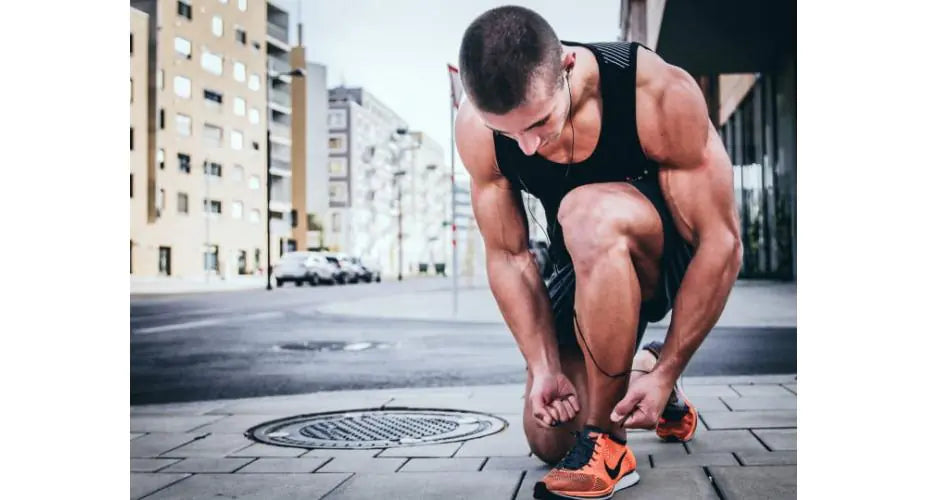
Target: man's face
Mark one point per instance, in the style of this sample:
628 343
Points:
537 122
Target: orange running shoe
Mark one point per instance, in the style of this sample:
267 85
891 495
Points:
596 467
679 419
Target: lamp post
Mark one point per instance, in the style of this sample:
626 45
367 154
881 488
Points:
272 77
397 181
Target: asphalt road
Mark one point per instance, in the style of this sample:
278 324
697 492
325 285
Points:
259 343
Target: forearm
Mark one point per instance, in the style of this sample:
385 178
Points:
522 298
701 298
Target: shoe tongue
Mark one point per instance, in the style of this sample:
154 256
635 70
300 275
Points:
592 432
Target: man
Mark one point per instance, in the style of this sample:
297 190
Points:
637 188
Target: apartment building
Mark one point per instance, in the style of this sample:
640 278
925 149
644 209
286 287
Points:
199 126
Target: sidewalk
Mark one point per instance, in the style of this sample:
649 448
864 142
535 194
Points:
745 448
140 285
751 304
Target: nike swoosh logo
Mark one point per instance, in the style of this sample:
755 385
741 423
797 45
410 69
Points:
613 473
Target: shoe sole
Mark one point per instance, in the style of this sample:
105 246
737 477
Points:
629 479
674 439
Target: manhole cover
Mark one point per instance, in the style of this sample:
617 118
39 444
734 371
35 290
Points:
331 346
386 428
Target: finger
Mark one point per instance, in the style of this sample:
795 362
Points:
560 408
545 417
574 402
640 420
627 403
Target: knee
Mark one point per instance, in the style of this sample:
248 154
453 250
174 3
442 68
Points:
550 451
594 225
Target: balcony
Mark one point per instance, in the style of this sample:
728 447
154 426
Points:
279 129
278 32
281 98
278 65
280 168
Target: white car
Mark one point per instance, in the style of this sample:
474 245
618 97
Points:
303 267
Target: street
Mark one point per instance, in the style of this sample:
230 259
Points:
262 343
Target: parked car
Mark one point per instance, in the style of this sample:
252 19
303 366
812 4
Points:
340 274
353 271
332 271
370 272
302 267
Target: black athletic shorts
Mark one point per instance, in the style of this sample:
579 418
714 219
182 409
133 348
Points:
677 253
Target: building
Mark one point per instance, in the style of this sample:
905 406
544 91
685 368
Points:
743 53
316 154
427 209
199 128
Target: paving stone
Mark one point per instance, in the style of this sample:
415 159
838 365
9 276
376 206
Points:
144 483
442 465
760 483
511 442
170 423
749 419
791 387
443 450
133 435
694 391
693 460
265 450
762 403
231 424
739 379
643 444
495 485
252 487
516 463
706 441
323 453
309 403
779 439
676 483
526 488
150 464
371 465
763 390
283 465
767 457
213 445
208 465
707 403
191 408
152 445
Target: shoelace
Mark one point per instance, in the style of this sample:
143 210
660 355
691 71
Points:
579 456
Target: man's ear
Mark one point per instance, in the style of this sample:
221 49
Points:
569 61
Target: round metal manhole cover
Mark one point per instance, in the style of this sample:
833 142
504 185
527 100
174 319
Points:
376 428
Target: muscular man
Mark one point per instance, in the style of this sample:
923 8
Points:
638 192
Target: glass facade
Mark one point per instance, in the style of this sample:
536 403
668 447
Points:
762 182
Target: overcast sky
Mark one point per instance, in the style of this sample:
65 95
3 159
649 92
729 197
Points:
399 49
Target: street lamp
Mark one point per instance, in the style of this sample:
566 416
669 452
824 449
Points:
272 77
397 175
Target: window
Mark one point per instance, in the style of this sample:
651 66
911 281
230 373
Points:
254 83
242 262
238 209
164 261
211 62
211 258
238 106
337 118
238 173
160 159
254 216
254 116
336 222
338 191
212 135
337 143
182 86
240 36
183 47
212 97
337 167
131 90
254 182
212 169
242 5
131 44
131 138
255 146
183 162
237 139
212 206
161 118
160 79
131 185
184 9
238 71
183 203
183 124
217 26
159 203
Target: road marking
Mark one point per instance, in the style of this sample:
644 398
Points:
208 322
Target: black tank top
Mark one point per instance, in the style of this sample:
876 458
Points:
618 156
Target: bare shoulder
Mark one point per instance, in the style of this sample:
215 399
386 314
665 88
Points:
475 145
672 117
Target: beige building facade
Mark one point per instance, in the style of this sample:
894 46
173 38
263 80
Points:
199 122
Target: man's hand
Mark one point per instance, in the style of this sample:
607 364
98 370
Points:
644 402
553 399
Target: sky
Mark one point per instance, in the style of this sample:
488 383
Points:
399 49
